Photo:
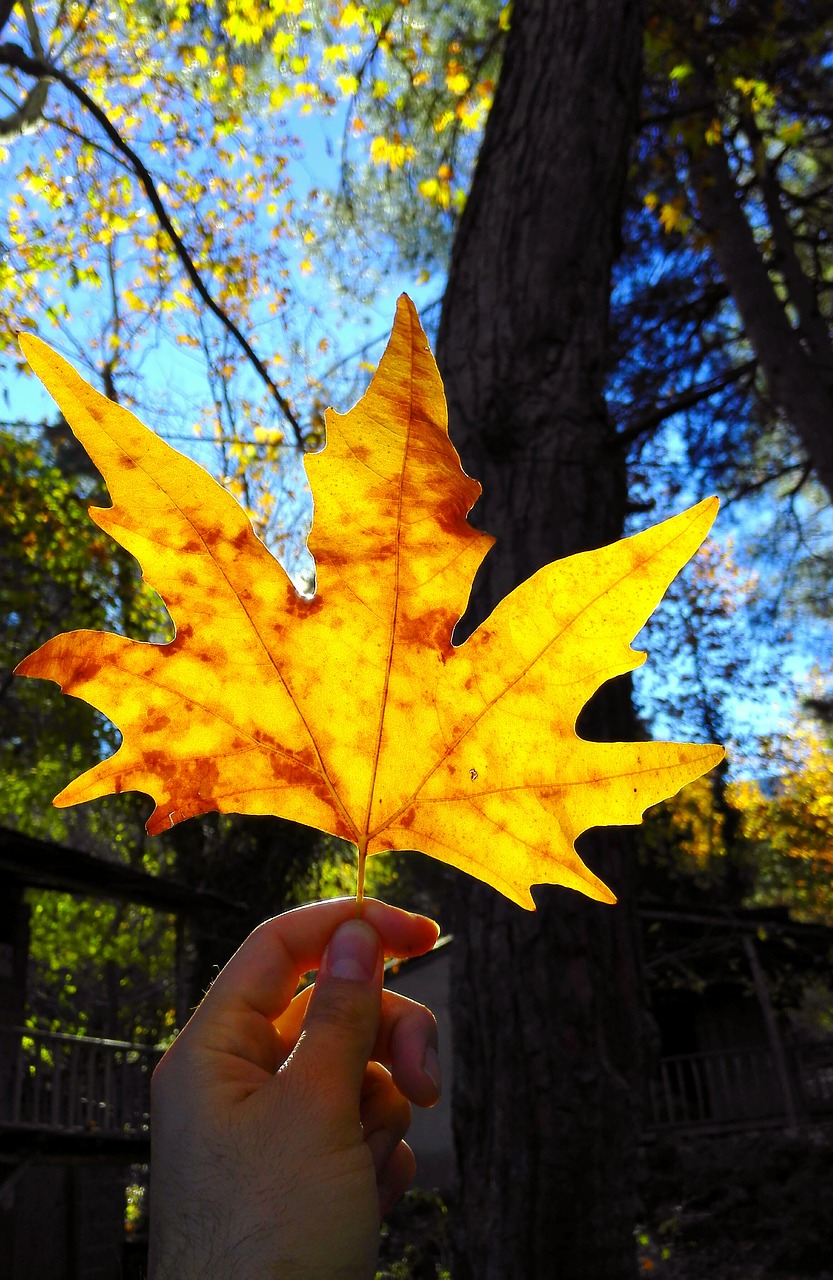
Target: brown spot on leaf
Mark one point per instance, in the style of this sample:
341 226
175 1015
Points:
156 761
156 721
84 671
301 606
429 629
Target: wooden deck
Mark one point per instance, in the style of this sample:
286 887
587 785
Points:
732 1089
83 1087
59 1084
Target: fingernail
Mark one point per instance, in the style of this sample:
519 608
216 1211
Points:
352 952
431 1067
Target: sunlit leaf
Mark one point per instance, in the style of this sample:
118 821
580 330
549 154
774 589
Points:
352 710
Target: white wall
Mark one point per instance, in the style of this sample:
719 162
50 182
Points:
427 980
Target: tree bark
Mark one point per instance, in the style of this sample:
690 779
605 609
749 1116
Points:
548 1015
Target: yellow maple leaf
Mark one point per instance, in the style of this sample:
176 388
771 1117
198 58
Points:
352 710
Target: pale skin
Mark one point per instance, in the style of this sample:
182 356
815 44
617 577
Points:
279 1119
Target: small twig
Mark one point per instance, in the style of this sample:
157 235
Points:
694 395
755 486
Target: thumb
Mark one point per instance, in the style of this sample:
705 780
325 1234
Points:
342 1018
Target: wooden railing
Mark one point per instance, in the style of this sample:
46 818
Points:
739 1088
74 1084
815 1071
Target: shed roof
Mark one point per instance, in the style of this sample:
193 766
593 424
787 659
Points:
28 861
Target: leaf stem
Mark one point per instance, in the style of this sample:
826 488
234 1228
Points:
362 848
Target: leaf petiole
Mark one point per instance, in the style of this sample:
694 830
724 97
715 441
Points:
362 848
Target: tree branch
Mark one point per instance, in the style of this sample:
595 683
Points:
6 7
11 55
755 486
678 112
796 380
696 394
31 108
32 28
85 140
28 113
800 289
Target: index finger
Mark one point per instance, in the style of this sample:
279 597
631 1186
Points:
262 976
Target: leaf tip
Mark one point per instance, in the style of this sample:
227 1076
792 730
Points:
30 665
34 349
583 881
595 889
65 798
405 306
707 511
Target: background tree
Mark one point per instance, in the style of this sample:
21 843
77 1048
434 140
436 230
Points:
58 573
97 967
145 206
787 823
723 310
547 1008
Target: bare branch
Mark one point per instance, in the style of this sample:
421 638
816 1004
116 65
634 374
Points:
30 110
27 114
32 28
60 123
694 395
678 112
755 486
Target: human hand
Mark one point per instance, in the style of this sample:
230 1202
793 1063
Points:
277 1130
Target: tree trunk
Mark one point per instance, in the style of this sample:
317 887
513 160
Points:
797 360
548 1013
